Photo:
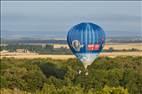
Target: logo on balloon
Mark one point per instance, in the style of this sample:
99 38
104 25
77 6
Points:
92 47
76 45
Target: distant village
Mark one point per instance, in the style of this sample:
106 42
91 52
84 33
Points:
6 50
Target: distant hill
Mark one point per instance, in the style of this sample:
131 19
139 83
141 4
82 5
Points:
59 41
34 41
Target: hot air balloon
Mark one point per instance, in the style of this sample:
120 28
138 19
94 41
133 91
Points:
86 40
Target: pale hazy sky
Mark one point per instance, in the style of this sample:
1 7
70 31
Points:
53 19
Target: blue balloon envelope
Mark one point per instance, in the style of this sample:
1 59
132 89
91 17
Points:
86 40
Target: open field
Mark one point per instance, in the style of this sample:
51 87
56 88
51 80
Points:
110 54
121 46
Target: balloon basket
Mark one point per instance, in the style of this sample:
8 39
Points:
86 73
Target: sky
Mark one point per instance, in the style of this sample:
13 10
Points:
53 19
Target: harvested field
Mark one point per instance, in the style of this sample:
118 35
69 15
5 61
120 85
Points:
110 54
121 46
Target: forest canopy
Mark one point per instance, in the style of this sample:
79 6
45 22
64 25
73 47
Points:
119 75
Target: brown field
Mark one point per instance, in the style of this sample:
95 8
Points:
110 54
121 46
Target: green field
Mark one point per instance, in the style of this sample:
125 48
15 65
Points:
119 75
